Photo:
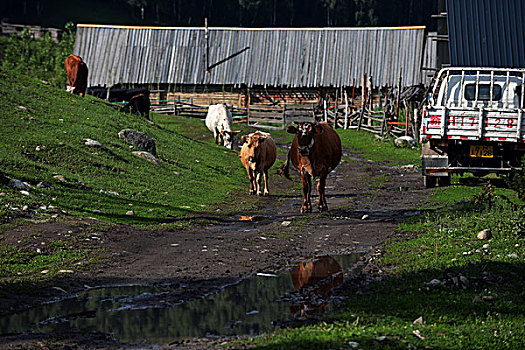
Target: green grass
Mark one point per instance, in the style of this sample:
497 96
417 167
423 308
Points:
476 303
371 148
47 138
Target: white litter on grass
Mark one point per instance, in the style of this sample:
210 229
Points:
417 333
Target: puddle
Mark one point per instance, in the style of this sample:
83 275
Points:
250 307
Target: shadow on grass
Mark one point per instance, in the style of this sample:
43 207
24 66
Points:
472 306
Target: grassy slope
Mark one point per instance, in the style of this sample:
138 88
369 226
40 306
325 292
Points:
48 139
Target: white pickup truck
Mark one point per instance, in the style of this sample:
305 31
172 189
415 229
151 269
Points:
473 122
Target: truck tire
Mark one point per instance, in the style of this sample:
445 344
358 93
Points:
429 181
443 181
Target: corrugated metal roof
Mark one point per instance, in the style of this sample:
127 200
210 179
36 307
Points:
282 57
486 33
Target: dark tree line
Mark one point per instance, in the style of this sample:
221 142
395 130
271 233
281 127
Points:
247 13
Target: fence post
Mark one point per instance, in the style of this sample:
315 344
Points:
370 100
398 93
324 111
336 107
284 116
248 101
346 110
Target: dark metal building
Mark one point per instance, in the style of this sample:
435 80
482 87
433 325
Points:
486 33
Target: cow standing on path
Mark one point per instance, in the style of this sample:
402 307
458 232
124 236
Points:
315 151
77 74
219 120
258 154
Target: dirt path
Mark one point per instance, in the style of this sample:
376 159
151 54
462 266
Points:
366 201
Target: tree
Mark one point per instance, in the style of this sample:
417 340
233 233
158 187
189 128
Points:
366 13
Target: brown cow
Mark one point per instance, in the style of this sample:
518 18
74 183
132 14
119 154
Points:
77 74
258 153
315 151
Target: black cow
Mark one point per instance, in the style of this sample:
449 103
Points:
138 104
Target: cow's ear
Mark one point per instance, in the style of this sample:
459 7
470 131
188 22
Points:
291 129
318 129
244 138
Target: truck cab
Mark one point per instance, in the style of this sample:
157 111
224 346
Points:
473 122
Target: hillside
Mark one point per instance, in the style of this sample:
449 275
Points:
44 131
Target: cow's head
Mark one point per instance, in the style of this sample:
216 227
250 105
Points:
254 143
305 132
228 137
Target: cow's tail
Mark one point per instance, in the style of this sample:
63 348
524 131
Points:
285 168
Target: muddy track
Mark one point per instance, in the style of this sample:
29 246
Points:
366 201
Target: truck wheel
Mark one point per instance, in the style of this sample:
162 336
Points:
429 181
443 181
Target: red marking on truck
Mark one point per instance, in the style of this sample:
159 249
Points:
463 137
502 138
435 120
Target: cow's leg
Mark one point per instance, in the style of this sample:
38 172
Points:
266 190
258 181
216 135
307 186
253 185
322 198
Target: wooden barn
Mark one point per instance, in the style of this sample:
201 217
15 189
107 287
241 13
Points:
249 67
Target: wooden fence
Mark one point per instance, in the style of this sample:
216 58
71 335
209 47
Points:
383 112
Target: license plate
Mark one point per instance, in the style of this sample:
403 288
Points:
482 151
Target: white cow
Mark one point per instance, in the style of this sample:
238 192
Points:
219 121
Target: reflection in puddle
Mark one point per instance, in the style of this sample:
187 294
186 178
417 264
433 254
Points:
314 278
137 313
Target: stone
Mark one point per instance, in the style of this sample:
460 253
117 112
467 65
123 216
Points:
464 281
148 156
138 139
435 282
484 234
19 185
486 246
286 223
60 177
405 142
26 193
93 143
364 217
130 213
